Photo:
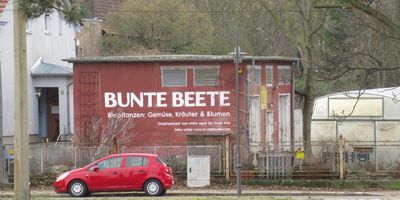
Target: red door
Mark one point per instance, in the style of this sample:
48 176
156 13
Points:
135 172
108 175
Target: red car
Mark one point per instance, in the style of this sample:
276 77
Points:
118 172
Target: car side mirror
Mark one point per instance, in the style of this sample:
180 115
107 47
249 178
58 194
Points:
96 168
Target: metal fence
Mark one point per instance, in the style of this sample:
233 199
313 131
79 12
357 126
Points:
176 156
53 158
362 159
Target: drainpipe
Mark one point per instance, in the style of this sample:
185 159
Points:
2 149
68 107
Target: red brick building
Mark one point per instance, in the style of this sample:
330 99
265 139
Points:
185 99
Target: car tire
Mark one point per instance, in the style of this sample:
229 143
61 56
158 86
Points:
163 192
153 187
78 189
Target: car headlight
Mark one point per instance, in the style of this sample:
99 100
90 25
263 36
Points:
62 176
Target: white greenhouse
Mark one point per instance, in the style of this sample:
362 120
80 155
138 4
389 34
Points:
369 120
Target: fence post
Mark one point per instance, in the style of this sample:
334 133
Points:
227 163
41 159
74 148
341 157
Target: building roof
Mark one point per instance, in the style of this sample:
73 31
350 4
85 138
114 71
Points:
390 92
46 69
176 58
3 4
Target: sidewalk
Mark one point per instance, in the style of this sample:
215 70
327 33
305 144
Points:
224 192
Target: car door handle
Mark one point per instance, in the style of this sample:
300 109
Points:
115 173
141 171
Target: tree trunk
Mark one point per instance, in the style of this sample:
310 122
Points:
307 118
308 108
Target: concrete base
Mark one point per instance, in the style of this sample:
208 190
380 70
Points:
198 183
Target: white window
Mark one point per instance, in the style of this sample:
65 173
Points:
284 75
254 75
47 23
173 77
204 76
269 74
28 26
60 22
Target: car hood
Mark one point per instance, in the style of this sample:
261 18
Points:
76 170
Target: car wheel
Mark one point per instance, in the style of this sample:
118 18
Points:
163 192
153 187
78 189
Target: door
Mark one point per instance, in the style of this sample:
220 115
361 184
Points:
254 121
284 122
135 172
198 171
270 128
48 110
107 177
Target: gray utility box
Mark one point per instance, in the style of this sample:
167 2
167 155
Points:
198 171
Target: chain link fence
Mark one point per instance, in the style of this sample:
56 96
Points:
362 159
176 156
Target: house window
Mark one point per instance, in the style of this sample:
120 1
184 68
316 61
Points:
254 75
269 74
174 77
47 22
60 23
28 26
205 76
284 75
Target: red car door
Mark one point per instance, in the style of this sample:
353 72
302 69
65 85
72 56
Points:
135 171
106 175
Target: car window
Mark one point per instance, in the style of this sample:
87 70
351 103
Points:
134 161
161 161
110 163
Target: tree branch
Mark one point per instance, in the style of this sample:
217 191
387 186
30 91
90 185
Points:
376 14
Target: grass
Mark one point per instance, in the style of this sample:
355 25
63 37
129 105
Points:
335 184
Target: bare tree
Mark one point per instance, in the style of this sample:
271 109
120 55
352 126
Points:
109 134
300 24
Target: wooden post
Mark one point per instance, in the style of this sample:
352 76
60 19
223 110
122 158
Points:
21 138
341 157
227 163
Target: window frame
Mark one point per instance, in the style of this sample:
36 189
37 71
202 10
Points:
172 68
256 67
205 67
284 67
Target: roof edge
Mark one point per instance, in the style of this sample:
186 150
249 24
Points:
175 58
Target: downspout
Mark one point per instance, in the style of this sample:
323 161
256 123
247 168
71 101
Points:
2 149
68 108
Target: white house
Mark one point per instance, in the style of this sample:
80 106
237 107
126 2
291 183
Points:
369 120
49 40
